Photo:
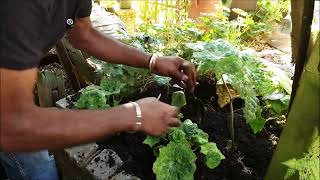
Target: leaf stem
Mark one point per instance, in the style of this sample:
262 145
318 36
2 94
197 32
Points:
231 112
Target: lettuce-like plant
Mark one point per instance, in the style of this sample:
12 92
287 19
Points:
176 160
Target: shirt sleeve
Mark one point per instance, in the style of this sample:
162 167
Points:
19 35
85 9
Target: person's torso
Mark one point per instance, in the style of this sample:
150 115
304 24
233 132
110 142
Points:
60 17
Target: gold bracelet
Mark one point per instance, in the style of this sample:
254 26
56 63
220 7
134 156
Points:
152 62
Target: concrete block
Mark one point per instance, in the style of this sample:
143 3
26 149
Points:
124 176
104 165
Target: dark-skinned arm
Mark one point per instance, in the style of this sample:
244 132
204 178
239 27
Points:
26 127
83 36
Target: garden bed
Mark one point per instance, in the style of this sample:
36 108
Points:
248 160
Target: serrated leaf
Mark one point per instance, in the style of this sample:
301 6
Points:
111 87
176 161
189 128
193 133
92 97
246 74
200 137
308 166
213 155
152 140
178 99
177 135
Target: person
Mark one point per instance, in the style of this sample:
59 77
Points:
28 31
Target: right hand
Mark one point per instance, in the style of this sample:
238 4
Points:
157 117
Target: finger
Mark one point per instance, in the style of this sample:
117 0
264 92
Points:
174 122
179 76
165 130
189 71
173 112
180 84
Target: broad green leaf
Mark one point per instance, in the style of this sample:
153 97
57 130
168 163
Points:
257 124
277 106
152 140
111 86
213 155
178 99
214 50
246 74
193 133
176 161
200 138
177 135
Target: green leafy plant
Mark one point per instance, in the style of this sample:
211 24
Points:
244 73
176 160
92 97
308 166
118 81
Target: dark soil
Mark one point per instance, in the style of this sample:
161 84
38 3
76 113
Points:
248 160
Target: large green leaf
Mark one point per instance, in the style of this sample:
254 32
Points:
213 156
178 99
92 97
200 137
177 135
152 140
176 161
193 133
111 87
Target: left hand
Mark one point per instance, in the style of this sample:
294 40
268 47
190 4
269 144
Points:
177 68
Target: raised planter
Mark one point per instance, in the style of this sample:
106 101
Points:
135 159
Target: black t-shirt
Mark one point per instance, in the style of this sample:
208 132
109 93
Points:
30 28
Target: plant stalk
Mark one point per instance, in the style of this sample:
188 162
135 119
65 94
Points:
231 113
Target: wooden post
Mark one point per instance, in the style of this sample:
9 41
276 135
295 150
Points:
302 15
82 70
302 119
66 63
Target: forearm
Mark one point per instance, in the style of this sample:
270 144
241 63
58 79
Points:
113 51
52 128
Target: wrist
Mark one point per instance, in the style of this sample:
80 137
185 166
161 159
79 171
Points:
134 117
153 62
146 60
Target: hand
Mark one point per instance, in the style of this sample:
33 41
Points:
177 68
157 117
